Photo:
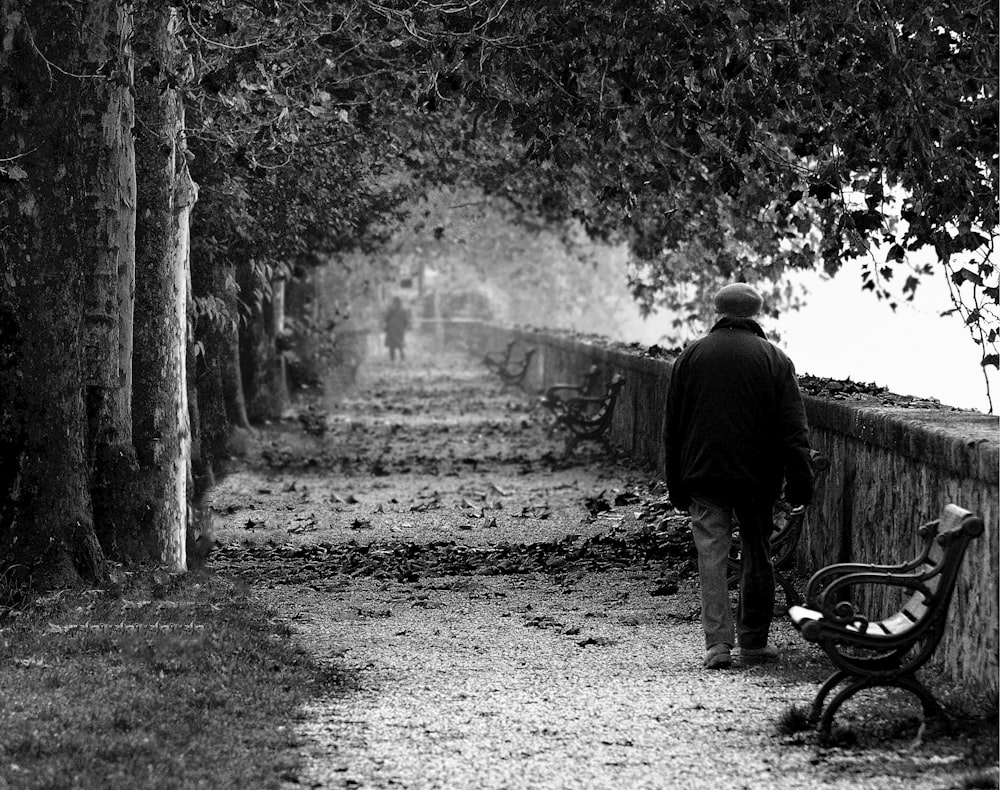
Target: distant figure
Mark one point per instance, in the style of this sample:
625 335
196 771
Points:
397 321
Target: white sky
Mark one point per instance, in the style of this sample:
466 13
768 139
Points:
845 332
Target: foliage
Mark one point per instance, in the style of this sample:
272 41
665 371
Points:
285 152
743 136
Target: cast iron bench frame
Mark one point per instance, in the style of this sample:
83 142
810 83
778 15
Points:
588 417
789 521
514 376
886 652
497 361
510 373
556 396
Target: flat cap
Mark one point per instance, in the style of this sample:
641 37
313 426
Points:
738 300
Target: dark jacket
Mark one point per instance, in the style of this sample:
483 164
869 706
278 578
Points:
735 425
397 321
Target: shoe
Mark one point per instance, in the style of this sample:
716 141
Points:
760 655
718 657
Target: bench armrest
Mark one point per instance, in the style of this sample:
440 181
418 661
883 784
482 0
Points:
552 391
835 609
580 401
822 578
821 581
582 389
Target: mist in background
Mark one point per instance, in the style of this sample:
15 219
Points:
467 255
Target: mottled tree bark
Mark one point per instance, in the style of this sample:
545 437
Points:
166 195
68 235
108 224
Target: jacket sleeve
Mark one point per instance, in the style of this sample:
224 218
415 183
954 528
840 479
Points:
671 439
793 432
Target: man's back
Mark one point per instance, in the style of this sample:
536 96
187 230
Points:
734 412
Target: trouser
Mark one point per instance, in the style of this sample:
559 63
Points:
712 527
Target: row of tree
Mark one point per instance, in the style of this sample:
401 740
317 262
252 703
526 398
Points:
166 170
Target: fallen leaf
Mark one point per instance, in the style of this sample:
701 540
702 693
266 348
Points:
668 587
597 641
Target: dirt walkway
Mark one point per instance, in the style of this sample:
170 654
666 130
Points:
507 619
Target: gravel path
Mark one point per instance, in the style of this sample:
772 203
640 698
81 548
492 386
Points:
576 668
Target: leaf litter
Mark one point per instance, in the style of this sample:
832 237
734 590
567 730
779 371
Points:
514 618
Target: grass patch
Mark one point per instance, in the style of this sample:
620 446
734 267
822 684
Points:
793 720
170 682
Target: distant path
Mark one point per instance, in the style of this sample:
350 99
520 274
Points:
380 542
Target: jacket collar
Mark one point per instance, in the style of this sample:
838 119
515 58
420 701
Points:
746 324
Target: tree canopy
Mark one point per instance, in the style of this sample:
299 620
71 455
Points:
730 136
720 139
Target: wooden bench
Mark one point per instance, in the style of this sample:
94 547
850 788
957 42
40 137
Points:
556 396
870 650
788 522
588 418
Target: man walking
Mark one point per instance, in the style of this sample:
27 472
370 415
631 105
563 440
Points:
735 429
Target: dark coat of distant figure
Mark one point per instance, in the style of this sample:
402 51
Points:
397 321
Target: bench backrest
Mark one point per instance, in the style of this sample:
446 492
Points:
614 388
935 577
527 358
590 380
593 414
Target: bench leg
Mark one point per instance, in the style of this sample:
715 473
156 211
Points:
932 709
792 597
852 688
816 712
824 718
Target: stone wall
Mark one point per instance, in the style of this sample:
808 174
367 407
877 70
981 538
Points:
892 469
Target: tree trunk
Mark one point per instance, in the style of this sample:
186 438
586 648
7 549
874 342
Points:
67 220
166 195
302 306
277 365
263 370
232 380
110 278
220 393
